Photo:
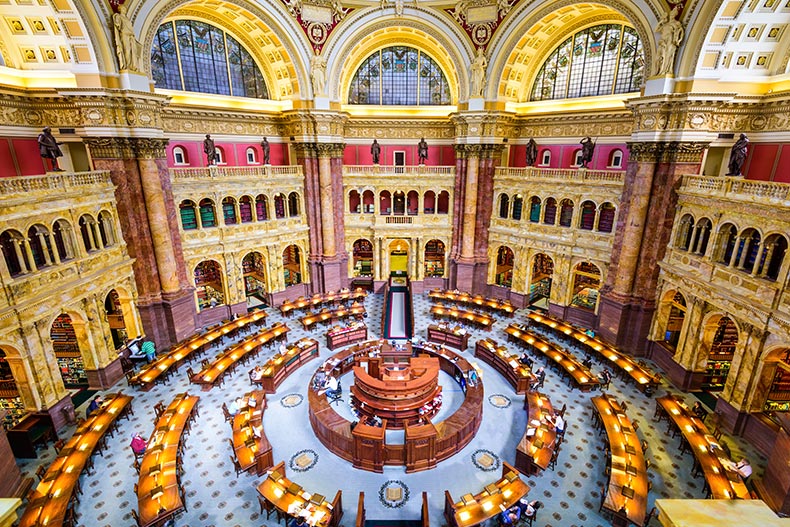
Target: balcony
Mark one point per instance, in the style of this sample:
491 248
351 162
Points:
737 190
563 175
236 173
31 187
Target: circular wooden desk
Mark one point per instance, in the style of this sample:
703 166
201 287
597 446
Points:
425 445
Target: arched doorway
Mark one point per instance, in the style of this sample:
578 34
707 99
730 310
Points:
677 314
399 257
10 400
540 280
112 307
586 281
254 271
722 337
434 259
504 266
362 256
67 352
777 371
292 265
208 284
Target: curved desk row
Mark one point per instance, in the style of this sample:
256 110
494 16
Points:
426 444
627 488
50 499
642 375
576 371
326 298
294 502
252 448
518 375
478 319
456 337
269 375
493 499
159 493
356 310
346 335
212 373
460 297
537 445
196 344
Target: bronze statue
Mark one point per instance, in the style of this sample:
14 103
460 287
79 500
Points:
532 152
738 156
422 151
210 150
266 151
587 150
375 150
49 149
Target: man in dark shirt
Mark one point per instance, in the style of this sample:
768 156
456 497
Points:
93 406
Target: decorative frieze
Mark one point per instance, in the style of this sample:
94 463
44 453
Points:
669 152
126 147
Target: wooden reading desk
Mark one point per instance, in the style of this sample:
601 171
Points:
576 371
326 298
455 337
493 499
158 491
478 319
148 375
294 501
283 363
460 297
627 487
252 448
50 499
643 377
212 373
337 337
723 482
356 310
539 441
518 375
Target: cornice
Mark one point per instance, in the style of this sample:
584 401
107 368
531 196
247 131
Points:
672 152
126 147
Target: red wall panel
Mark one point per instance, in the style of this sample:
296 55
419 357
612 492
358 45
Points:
7 168
782 172
760 162
29 157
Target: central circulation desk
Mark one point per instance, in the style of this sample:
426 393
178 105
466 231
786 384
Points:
425 444
628 477
337 337
282 364
493 499
498 356
723 482
48 504
292 500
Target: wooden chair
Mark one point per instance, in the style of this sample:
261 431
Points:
644 446
136 517
136 465
40 472
554 456
159 409
561 413
620 519
635 425
269 508
653 512
59 445
236 465
226 413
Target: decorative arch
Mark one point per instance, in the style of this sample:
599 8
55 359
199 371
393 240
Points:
434 258
505 261
271 35
254 271
540 278
292 265
529 35
720 335
586 280
671 317
71 345
362 258
209 284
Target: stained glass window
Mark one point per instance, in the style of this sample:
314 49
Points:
194 56
600 60
399 75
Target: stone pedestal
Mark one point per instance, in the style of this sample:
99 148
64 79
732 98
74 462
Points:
625 324
468 275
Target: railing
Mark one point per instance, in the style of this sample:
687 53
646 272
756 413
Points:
222 172
564 174
399 219
58 183
735 188
383 170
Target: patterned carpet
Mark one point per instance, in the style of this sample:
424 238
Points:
217 497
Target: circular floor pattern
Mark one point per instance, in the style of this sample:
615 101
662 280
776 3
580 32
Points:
303 460
486 460
291 400
499 401
394 494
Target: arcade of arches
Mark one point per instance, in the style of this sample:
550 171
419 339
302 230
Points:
574 157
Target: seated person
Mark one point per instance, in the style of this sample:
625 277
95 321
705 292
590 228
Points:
236 406
606 377
699 411
744 468
94 405
526 360
587 363
510 516
257 373
559 424
332 386
138 444
149 350
529 508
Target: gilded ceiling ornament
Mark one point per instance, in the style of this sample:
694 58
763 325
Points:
480 18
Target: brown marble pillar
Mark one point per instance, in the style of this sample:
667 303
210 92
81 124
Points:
148 217
323 168
644 222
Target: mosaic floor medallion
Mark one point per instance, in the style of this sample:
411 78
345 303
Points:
394 494
303 460
486 460
498 400
291 400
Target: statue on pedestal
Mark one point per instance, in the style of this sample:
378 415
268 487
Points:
588 146
532 152
422 151
210 150
266 150
375 151
49 149
671 31
738 156
127 47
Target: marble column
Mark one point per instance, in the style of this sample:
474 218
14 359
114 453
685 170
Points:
647 207
148 218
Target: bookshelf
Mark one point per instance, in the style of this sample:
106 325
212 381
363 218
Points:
67 352
722 350
606 219
14 409
188 217
291 266
207 216
779 393
434 259
363 258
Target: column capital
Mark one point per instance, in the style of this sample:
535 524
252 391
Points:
477 150
320 149
667 152
126 147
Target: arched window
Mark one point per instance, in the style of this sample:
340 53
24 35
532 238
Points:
534 209
747 250
429 202
64 240
180 156
279 206
188 215
504 205
368 202
545 158
773 256
701 236
229 211
587 217
106 229
443 203
252 158
88 234
220 153
385 205
725 243
354 202
550 213
245 209
40 245
518 205
616 159
685 230
566 213
586 282
293 204
208 217
399 75
211 61
577 158
599 60
208 284
262 207
412 205
606 218
13 252
292 265
398 203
